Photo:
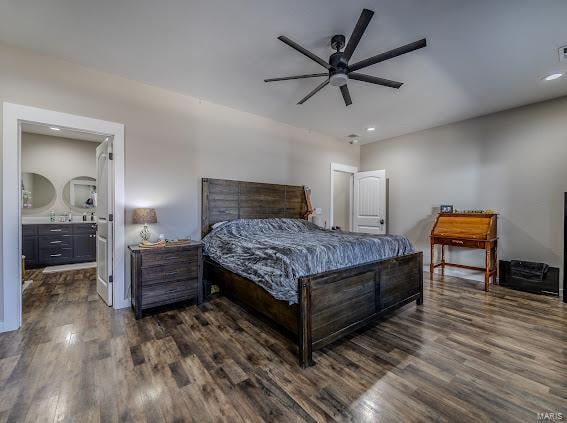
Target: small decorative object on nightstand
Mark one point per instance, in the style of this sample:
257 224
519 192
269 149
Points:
145 216
167 275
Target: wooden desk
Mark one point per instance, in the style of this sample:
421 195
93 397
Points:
468 230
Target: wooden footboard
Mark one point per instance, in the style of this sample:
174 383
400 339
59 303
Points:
331 304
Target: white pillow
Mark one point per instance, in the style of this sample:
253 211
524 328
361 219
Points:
216 225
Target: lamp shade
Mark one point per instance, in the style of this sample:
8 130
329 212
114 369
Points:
144 216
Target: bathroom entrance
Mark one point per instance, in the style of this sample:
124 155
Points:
67 204
64 219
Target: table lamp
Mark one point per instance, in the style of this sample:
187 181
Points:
145 216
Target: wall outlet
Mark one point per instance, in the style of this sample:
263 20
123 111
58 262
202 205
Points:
318 210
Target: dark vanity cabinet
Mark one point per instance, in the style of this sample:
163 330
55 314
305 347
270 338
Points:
29 244
84 242
54 244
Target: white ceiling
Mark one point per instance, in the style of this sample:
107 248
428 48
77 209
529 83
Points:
482 56
34 128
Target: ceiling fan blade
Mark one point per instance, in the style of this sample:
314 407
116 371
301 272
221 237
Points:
285 78
315 91
346 95
358 32
304 51
374 80
388 55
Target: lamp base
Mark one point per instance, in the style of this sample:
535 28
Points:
145 233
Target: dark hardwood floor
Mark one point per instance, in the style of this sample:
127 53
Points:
466 355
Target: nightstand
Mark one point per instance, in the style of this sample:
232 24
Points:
167 275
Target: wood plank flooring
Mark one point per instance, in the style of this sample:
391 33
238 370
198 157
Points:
466 355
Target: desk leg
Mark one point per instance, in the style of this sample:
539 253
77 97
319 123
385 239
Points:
431 262
487 264
495 261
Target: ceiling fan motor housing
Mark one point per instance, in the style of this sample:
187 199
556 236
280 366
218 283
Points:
338 72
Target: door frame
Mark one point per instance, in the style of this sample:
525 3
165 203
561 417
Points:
13 116
338 167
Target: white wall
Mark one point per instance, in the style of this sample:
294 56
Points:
59 160
172 140
514 162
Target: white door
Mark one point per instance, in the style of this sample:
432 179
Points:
370 202
104 232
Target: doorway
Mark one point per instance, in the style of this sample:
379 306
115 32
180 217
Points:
342 196
358 199
112 189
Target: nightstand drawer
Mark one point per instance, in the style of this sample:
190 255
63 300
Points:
164 258
164 292
170 272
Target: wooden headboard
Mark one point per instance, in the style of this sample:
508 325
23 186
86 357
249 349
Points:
224 199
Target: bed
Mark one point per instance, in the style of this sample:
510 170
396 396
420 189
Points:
314 309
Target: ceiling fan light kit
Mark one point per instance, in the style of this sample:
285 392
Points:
339 71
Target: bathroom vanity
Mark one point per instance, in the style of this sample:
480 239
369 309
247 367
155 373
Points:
50 244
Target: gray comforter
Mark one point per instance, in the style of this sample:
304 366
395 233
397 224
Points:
274 253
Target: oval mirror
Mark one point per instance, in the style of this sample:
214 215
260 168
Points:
80 193
37 191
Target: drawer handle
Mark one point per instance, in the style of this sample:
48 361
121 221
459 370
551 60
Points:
56 230
171 258
456 241
170 273
56 242
55 255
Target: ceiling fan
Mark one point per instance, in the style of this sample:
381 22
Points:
338 67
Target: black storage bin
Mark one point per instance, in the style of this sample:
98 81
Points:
548 286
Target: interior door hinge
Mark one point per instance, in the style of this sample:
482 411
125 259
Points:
110 156
110 279
110 217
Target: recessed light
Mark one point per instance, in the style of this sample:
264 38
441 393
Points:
553 76
371 129
54 128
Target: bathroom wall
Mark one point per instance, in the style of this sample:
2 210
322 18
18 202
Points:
59 160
